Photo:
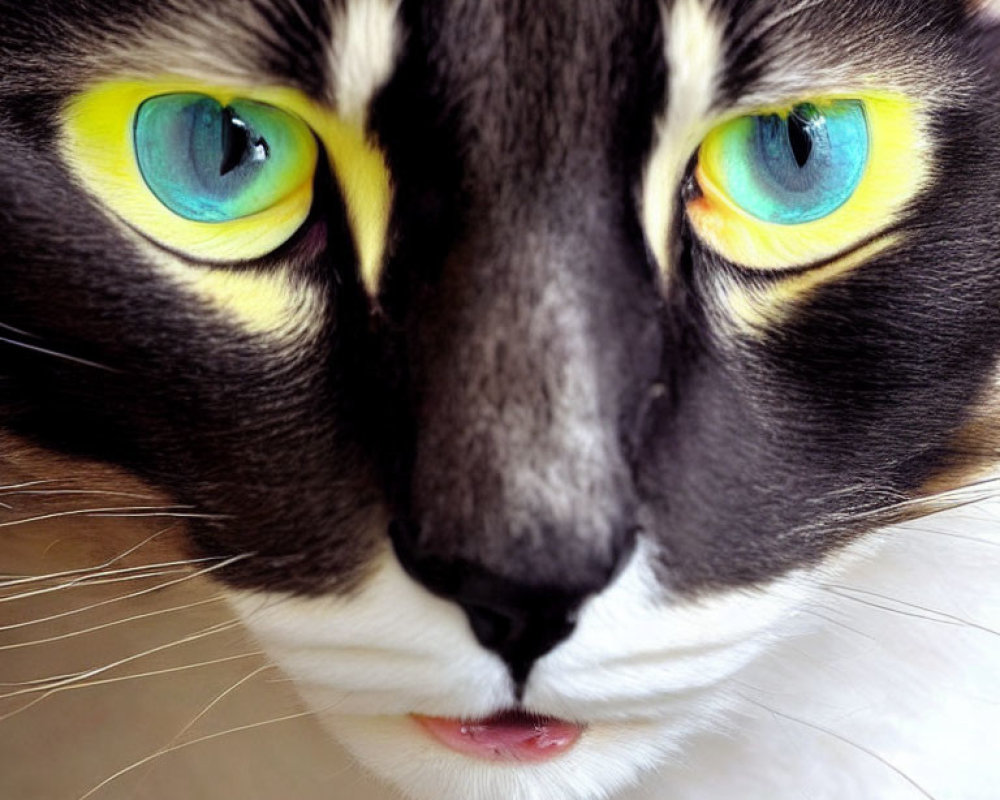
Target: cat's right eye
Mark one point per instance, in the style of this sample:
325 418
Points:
209 162
793 168
802 184
223 175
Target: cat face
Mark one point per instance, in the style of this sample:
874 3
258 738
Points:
517 356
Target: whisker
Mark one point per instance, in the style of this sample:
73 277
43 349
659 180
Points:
37 681
55 575
61 492
18 331
207 709
112 624
808 609
960 536
841 738
83 583
61 680
177 514
113 576
34 701
136 676
183 745
46 351
83 512
26 484
140 593
199 740
929 614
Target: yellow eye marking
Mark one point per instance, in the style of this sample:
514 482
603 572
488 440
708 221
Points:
97 145
274 303
265 303
755 309
898 168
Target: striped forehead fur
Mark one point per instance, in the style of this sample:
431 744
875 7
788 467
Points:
337 51
773 55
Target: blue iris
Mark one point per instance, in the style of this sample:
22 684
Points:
800 167
212 163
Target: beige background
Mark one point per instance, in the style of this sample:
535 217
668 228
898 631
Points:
64 742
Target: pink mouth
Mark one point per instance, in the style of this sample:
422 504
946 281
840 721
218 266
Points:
511 736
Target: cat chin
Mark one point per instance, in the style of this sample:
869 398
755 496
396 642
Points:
641 673
607 759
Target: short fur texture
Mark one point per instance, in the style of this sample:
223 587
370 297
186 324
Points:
539 462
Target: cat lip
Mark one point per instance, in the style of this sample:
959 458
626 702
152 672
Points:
512 736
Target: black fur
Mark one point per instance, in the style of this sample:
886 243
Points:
517 135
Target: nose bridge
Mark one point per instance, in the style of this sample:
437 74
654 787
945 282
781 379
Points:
531 324
517 446
521 503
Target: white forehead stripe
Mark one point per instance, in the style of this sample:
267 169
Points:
365 44
693 53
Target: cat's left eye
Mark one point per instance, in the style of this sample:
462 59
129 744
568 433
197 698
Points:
799 185
790 168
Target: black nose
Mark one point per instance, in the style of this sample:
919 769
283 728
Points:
518 622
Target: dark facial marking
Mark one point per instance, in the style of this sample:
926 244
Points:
521 398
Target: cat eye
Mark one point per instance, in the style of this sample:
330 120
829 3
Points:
210 162
790 168
800 185
223 175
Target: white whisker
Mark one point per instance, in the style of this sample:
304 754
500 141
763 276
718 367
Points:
84 512
62 492
84 583
191 742
61 680
65 356
145 514
112 624
18 331
841 738
136 676
207 709
26 484
114 576
120 598
56 575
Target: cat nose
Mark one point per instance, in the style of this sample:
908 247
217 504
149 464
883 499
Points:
514 624
517 621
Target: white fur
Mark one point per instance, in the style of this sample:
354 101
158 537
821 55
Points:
694 57
363 53
812 687
800 690
643 671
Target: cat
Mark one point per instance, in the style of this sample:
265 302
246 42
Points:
576 400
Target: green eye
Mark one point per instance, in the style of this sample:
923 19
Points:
207 162
793 168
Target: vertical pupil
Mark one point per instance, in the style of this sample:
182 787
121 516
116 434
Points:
238 143
799 137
